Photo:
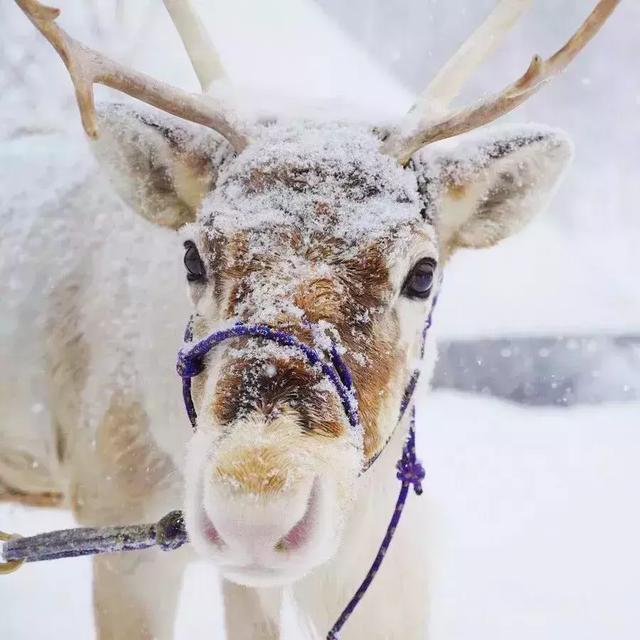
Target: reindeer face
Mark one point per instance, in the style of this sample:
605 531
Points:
311 229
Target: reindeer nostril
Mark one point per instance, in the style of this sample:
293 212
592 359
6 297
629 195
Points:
300 532
209 530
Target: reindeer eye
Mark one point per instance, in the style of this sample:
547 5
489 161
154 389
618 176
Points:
193 262
420 279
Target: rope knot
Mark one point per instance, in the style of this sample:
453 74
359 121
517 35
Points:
411 471
170 531
188 365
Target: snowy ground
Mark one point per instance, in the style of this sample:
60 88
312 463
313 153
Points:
537 521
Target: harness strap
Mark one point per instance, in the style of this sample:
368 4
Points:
410 472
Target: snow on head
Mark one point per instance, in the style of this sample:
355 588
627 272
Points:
303 173
303 202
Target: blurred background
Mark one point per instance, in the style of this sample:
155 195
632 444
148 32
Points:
531 438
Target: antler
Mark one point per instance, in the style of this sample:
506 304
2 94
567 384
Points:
201 51
448 82
421 127
88 67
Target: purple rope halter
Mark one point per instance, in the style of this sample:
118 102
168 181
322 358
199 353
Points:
191 363
409 469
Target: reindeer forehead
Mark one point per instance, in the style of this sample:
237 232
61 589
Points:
321 183
307 220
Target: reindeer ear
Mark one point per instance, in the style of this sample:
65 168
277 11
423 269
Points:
159 165
484 190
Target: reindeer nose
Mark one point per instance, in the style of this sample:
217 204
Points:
256 526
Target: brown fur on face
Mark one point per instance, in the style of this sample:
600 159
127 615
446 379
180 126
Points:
353 301
271 386
289 266
372 379
320 298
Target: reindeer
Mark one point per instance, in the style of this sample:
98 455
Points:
335 231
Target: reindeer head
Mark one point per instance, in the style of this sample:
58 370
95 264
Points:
334 232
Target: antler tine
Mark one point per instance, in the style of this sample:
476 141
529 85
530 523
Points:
88 67
430 129
200 49
448 82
